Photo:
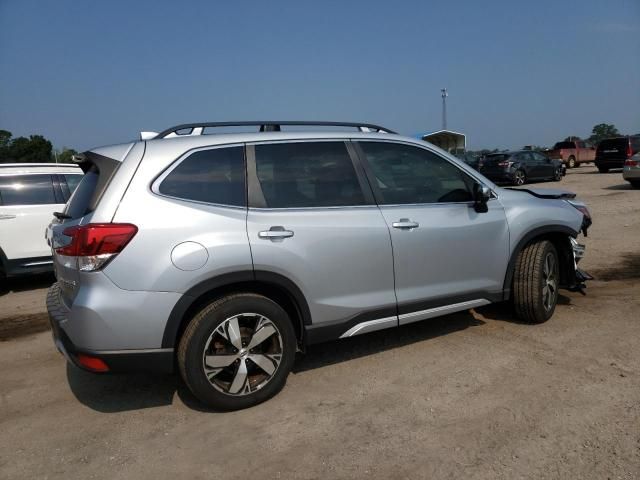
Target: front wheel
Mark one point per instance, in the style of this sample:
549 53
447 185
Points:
557 176
519 178
237 351
536 282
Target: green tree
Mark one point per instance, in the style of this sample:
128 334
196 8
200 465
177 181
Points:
35 149
602 131
5 141
66 154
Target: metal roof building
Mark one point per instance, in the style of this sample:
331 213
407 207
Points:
452 142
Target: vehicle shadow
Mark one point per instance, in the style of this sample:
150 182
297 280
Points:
124 392
113 393
330 353
30 282
505 312
621 186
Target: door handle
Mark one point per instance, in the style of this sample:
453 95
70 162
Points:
405 224
275 233
6 217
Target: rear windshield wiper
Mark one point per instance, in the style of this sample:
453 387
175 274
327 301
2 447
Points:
61 216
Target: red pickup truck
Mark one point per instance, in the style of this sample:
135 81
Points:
572 154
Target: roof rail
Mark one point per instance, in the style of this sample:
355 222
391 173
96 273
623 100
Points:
265 126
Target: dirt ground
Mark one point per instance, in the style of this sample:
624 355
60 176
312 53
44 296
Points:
470 395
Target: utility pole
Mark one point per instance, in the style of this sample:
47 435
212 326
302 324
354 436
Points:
444 108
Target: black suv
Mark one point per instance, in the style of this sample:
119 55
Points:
519 167
613 152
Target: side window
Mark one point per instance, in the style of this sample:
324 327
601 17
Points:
307 174
72 181
27 190
406 174
211 176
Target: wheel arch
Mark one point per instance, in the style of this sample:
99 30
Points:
274 286
559 236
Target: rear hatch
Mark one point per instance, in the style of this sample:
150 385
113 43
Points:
495 163
614 150
99 170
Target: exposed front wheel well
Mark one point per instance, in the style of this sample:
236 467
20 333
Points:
562 244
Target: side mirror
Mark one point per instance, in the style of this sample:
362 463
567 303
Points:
481 195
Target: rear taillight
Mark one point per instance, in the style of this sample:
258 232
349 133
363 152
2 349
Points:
505 164
629 150
631 163
95 244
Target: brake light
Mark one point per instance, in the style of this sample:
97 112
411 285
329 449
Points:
631 163
505 164
629 150
95 244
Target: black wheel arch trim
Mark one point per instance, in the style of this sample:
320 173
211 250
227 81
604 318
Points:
524 241
191 296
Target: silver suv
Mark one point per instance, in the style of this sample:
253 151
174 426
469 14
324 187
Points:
223 254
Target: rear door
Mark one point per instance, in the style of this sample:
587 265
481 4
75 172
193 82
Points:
447 257
27 203
313 220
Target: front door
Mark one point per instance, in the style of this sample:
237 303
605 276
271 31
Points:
447 256
312 220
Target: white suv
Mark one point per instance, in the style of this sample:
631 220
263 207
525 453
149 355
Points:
29 195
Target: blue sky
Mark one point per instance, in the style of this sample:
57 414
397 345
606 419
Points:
87 73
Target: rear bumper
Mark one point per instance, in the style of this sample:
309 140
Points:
631 173
145 360
609 162
498 176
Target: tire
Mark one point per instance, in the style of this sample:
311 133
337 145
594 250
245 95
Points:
571 162
519 178
557 176
220 374
603 169
535 282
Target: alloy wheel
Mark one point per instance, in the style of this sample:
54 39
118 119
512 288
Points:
519 177
550 281
242 354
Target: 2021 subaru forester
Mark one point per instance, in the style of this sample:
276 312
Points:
224 254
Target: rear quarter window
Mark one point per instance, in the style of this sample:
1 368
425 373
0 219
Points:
211 176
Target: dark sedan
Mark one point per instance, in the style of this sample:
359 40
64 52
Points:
518 168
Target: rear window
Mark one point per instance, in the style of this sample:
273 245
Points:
560 145
210 176
79 203
497 157
72 181
26 190
613 144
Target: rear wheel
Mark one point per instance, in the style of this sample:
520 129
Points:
603 169
535 282
519 178
237 352
571 162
